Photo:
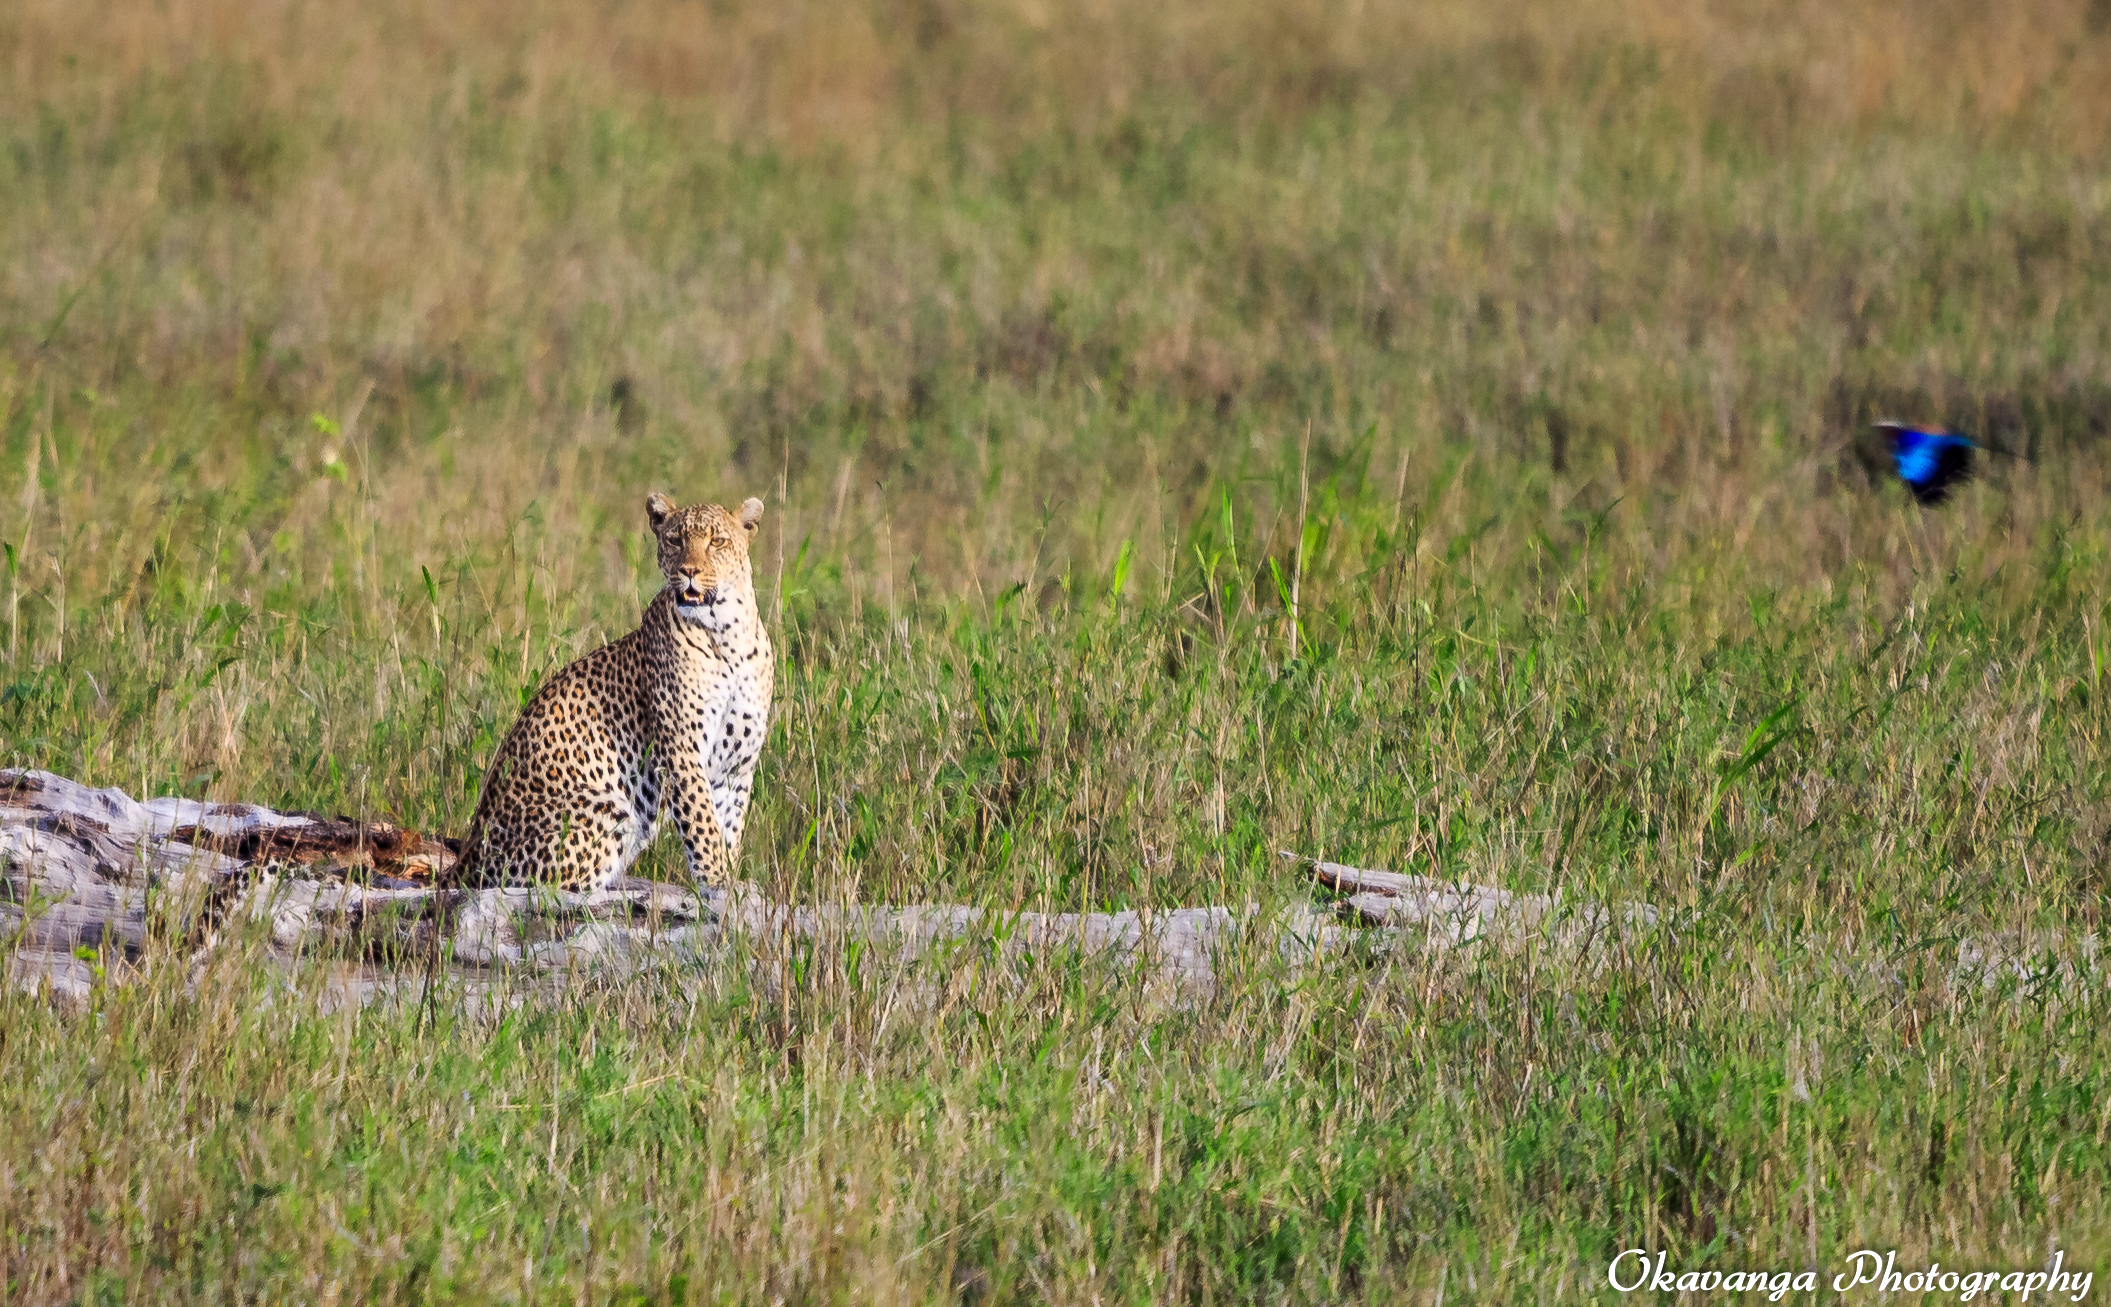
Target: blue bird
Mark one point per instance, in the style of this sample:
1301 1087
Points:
1929 462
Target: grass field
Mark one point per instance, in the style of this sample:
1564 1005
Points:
1531 352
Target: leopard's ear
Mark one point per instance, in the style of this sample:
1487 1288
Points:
658 508
750 513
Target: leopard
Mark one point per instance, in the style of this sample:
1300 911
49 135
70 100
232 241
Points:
663 725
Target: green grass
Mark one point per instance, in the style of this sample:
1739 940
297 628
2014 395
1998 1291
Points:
338 353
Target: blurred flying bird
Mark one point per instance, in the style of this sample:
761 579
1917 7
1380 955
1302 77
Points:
1929 462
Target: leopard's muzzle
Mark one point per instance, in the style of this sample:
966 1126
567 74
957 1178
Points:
695 594
700 604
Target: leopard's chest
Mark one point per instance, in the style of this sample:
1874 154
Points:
719 690
740 713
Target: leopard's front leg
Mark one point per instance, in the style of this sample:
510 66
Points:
685 789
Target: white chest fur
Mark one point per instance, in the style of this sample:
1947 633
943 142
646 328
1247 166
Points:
736 720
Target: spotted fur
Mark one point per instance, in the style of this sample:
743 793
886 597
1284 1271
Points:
666 722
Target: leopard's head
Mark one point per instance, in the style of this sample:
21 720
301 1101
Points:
704 555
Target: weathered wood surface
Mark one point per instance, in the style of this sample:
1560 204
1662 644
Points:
1459 913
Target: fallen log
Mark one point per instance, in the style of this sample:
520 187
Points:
95 871
98 869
